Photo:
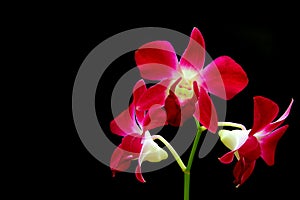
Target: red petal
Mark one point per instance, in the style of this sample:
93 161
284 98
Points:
224 77
227 158
205 112
138 174
156 60
268 144
154 95
265 112
156 117
138 90
278 122
132 143
120 160
194 54
242 171
124 123
173 110
250 150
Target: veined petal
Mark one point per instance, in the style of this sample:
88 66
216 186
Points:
151 151
205 112
138 90
224 77
227 158
173 109
156 117
156 60
154 95
132 143
250 150
194 54
242 171
265 111
128 150
234 139
124 123
268 145
138 173
279 121
120 160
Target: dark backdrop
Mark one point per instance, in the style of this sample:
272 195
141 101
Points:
252 40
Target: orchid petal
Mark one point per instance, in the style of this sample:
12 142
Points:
124 123
205 112
156 117
224 77
154 95
194 54
265 111
227 158
250 150
233 139
156 60
279 121
268 145
120 160
138 173
242 171
173 109
150 152
128 150
138 90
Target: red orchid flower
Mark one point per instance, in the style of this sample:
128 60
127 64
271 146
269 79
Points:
260 141
223 77
137 143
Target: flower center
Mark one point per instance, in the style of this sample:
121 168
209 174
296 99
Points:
184 89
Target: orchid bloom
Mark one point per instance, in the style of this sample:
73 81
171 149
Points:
137 143
180 80
260 141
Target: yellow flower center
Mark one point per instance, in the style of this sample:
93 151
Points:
184 89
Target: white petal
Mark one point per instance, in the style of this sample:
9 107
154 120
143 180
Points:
151 151
233 139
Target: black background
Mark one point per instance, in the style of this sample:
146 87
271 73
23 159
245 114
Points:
64 39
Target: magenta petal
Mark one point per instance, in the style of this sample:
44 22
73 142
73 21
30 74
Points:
268 145
205 112
279 121
173 109
120 160
224 77
265 112
227 158
154 95
138 90
156 60
124 123
242 171
132 144
287 112
138 174
250 150
156 117
194 54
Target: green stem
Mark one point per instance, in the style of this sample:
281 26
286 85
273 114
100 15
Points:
172 150
187 175
232 124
